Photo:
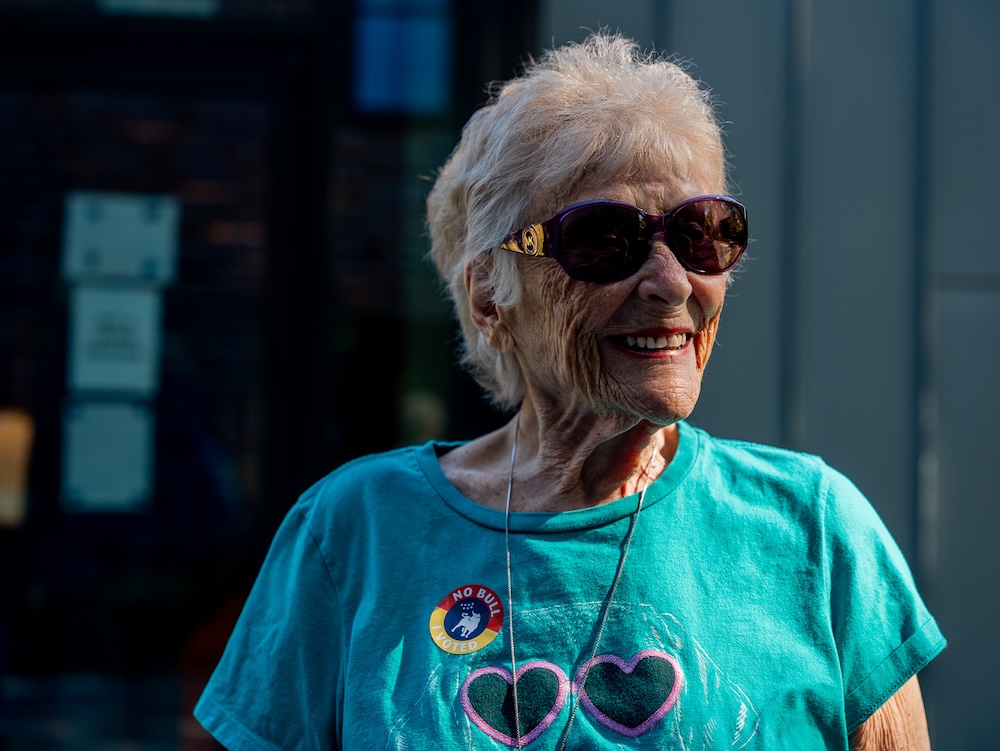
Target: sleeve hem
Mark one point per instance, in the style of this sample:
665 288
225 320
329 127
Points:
904 662
229 731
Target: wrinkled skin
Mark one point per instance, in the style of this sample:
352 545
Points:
898 725
598 417
566 333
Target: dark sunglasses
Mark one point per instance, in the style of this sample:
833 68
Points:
607 241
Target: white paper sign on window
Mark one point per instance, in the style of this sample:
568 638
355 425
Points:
107 457
114 340
120 236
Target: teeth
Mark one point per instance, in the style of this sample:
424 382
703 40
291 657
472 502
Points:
674 341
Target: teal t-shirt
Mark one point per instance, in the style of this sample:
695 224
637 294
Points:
762 605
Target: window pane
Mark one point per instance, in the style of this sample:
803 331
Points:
402 64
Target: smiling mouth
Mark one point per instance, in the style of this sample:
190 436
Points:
656 343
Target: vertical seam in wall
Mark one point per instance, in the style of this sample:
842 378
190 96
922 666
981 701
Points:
797 31
925 349
924 421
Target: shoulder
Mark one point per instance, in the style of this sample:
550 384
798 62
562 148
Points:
764 468
366 505
757 478
371 484
368 469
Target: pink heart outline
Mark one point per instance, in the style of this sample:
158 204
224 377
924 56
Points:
543 724
627 668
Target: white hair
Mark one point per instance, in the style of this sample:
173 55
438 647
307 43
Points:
594 112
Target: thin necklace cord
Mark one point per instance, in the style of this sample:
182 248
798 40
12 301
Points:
607 604
510 585
604 615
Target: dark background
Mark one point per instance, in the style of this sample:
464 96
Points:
304 327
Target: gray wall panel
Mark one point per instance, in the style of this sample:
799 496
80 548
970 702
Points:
858 331
963 591
964 513
966 124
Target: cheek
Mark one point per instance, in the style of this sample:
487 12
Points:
709 297
567 340
574 345
705 342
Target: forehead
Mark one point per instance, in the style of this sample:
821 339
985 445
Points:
650 196
654 186
654 196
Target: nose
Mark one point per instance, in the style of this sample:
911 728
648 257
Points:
662 278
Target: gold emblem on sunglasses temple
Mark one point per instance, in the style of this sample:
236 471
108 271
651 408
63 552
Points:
532 240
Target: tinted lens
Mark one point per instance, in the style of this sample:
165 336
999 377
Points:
599 243
708 236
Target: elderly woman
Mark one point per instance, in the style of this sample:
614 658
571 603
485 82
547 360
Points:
598 573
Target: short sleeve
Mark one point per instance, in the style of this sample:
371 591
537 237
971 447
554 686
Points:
883 630
280 679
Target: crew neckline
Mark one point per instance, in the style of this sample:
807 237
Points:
559 521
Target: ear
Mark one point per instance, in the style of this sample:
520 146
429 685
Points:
486 315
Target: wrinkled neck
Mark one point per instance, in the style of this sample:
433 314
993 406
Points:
573 459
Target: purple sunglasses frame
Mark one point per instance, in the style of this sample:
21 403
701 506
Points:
541 240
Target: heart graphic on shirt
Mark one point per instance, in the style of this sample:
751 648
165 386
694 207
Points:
630 697
488 700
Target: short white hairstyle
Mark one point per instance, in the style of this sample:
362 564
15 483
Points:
594 112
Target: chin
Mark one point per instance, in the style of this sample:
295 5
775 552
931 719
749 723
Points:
663 397
668 406
663 419
656 411
674 408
